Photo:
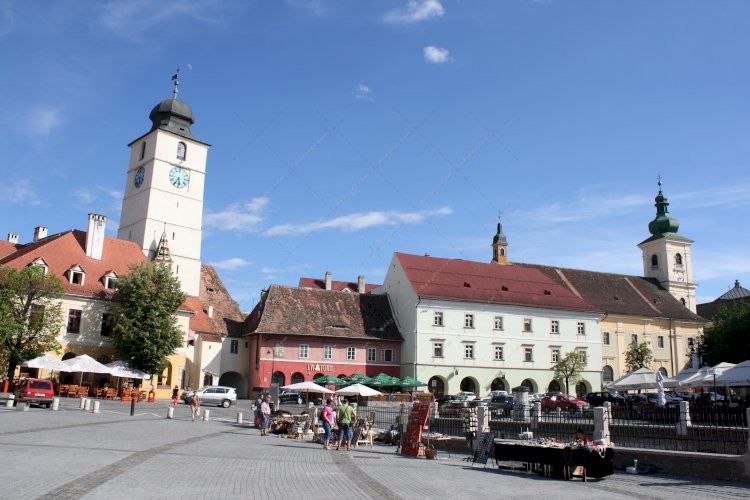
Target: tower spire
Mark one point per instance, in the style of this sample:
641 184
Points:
499 246
176 80
163 255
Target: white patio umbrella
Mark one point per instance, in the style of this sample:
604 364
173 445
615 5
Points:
46 362
738 375
121 369
85 363
358 390
685 375
307 387
705 376
642 378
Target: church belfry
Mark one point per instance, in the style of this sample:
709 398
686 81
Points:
163 203
667 254
499 246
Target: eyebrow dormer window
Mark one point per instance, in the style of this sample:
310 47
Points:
181 150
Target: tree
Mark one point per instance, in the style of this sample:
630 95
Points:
145 328
638 356
569 368
31 314
728 339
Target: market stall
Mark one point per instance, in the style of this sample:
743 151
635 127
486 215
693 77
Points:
553 458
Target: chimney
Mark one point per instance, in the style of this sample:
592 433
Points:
210 311
40 232
328 280
361 284
13 238
95 236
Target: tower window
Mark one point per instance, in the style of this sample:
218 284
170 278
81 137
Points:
502 252
678 259
234 346
654 261
181 150
143 150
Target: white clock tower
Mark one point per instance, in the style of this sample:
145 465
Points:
163 203
666 255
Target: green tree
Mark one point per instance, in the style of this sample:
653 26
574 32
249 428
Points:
145 328
728 339
638 356
569 368
31 314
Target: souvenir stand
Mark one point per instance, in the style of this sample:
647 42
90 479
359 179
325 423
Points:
411 440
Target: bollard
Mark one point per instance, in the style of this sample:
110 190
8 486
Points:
170 412
239 417
25 406
205 415
95 407
55 403
10 401
82 403
86 404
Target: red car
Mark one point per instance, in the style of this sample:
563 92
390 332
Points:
565 402
34 390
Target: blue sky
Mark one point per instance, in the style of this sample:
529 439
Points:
344 131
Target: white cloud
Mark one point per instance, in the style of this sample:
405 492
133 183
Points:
415 11
20 191
362 92
84 196
41 121
358 221
127 18
243 217
436 55
230 264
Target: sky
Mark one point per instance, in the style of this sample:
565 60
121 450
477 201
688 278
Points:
344 131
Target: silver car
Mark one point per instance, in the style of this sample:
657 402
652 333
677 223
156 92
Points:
215 395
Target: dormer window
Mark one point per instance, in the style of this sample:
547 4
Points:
181 150
110 280
40 264
76 275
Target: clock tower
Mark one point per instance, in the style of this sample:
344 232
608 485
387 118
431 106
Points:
667 255
163 200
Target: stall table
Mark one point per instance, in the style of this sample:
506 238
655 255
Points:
561 459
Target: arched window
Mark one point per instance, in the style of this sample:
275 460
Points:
529 384
436 386
553 386
654 261
608 374
663 371
467 384
684 302
297 377
181 150
502 252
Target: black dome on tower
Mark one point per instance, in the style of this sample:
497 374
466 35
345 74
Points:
174 116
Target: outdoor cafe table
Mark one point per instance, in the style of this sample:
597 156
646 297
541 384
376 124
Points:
597 461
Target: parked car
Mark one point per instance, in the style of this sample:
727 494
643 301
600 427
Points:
465 396
292 397
535 397
34 391
565 402
214 395
498 392
479 402
502 404
599 398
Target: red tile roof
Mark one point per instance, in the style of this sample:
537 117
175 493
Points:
6 247
456 279
339 286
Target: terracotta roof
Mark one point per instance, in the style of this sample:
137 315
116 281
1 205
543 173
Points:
227 317
6 247
339 286
63 251
619 293
456 279
304 311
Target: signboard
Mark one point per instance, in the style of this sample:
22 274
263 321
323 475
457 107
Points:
412 438
482 452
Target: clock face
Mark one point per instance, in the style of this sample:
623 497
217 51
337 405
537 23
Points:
179 177
140 174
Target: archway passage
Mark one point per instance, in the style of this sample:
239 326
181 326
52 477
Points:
278 378
468 385
499 384
297 377
554 386
582 389
436 386
529 384
236 380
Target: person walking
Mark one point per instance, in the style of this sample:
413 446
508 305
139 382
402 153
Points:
326 416
175 394
195 405
265 415
346 416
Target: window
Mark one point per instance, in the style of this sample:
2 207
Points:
143 150
660 341
678 259
499 354
327 352
582 353
437 319
654 261
605 338
581 328
303 351
74 321
437 349
527 324
107 325
351 353
388 355
36 318
234 346
371 354
468 321
634 338
556 355
554 326
498 322
528 354
76 276
469 351
181 150
110 281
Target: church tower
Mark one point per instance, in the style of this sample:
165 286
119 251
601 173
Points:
499 246
666 255
163 204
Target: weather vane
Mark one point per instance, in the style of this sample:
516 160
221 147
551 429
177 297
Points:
658 181
176 80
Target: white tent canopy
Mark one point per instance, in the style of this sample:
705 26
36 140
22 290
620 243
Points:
121 369
642 378
738 375
46 362
685 375
704 377
307 387
85 363
358 390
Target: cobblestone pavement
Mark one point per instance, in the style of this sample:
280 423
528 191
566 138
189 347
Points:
71 453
